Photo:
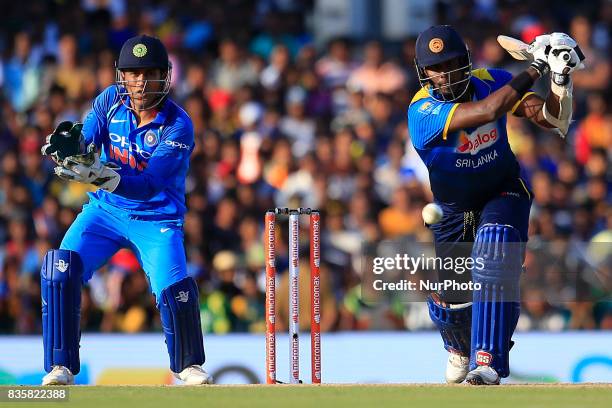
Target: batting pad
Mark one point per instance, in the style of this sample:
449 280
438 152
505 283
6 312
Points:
61 308
454 323
180 316
496 306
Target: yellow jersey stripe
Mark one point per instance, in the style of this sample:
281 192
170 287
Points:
419 95
516 105
483 73
448 120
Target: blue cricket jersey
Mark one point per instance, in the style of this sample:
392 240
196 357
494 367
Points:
154 158
469 166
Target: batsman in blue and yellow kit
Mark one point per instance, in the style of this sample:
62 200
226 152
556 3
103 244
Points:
457 124
135 146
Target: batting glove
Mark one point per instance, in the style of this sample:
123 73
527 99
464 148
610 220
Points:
539 47
563 58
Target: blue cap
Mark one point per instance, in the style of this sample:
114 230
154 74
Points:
143 51
439 44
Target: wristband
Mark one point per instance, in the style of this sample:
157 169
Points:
521 83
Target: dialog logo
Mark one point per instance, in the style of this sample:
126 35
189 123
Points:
474 142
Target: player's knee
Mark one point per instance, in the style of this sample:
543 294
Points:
182 292
61 265
489 234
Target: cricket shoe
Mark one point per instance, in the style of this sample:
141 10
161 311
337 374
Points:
483 375
59 375
194 375
457 368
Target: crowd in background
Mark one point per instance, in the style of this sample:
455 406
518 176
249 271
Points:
281 120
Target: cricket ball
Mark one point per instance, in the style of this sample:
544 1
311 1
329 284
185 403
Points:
432 214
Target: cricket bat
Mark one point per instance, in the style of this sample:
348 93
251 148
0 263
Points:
515 47
520 50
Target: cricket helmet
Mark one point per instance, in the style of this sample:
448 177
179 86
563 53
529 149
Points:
142 52
440 44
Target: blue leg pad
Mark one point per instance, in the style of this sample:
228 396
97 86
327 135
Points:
61 308
179 308
496 306
454 323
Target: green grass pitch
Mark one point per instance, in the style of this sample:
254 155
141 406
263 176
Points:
291 396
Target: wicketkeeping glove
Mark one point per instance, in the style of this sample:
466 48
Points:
87 168
66 140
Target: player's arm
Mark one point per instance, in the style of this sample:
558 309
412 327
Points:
531 107
167 159
71 139
95 125
159 172
556 111
498 103
80 161
429 119
556 52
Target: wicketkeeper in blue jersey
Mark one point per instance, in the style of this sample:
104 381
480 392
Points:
134 146
457 124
